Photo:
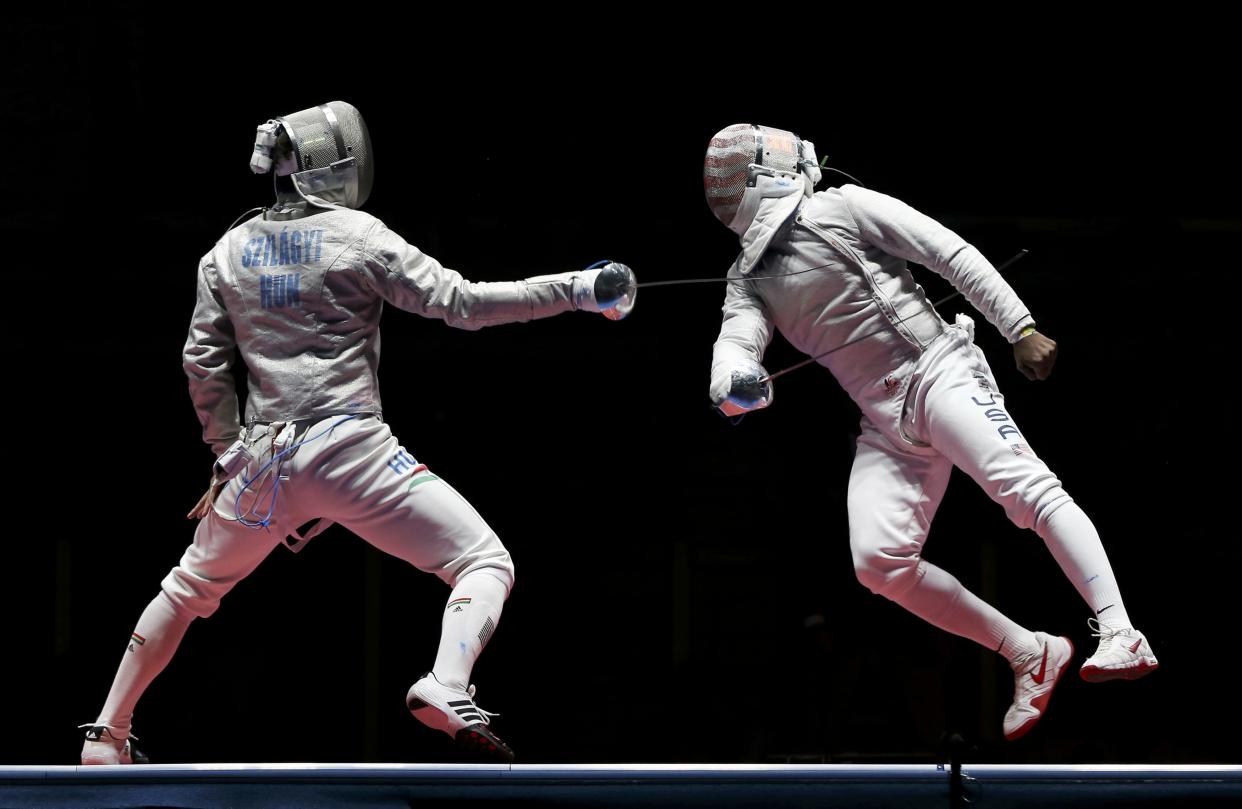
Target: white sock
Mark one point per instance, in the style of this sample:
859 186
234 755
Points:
941 600
1074 543
151 646
470 617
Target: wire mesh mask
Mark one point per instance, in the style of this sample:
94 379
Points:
740 156
332 150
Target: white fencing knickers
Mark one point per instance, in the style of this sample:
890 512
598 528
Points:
953 416
351 471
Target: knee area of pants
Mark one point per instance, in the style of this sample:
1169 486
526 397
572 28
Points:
180 611
190 596
887 576
1031 507
502 572
1031 503
1043 515
191 606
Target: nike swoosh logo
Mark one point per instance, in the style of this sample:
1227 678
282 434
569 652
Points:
1038 678
1137 644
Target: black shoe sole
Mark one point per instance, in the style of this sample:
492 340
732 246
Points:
483 745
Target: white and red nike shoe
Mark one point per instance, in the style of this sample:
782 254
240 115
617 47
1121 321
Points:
1123 654
1035 675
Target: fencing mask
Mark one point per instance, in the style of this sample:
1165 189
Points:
747 163
324 150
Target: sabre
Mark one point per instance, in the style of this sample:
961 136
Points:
719 280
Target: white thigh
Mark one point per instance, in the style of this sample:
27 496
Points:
964 417
893 496
363 479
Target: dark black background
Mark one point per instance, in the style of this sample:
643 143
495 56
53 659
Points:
668 562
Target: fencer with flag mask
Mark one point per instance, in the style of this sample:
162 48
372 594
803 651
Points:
828 269
298 290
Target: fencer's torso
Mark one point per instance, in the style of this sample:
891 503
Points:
301 299
847 296
303 318
856 297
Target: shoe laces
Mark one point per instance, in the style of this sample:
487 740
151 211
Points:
1107 634
487 715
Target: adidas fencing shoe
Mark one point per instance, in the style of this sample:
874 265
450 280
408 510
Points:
1035 675
1123 654
101 747
453 711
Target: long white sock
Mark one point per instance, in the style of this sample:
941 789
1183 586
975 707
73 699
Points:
1075 544
151 646
941 600
470 618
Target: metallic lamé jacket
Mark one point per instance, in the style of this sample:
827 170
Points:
301 299
830 273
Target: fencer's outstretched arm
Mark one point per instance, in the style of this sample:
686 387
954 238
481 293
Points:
745 333
897 229
208 362
414 281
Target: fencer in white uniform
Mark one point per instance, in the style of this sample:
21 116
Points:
298 290
828 270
